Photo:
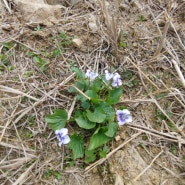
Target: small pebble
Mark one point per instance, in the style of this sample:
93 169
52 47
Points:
93 27
77 43
118 138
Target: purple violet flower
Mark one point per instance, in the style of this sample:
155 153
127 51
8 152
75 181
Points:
108 76
123 116
89 74
116 76
62 136
117 83
116 80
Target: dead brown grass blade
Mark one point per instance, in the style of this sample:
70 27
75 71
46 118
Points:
136 178
7 6
14 163
24 175
182 79
15 91
15 147
160 108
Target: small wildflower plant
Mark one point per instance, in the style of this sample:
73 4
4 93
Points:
95 116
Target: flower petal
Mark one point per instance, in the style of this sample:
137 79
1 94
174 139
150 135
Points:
63 132
121 123
117 82
125 111
108 75
93 76
89 74
114 84
66 140
60 143
123 116
116 76
128 119
119 111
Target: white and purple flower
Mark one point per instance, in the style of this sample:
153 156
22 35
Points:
116 80
108 76
89 74
62 136
123 116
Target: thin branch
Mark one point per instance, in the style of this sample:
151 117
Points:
159 107
15 91
7 6
81 92
179 72
72 108
142 73
24 175
135 179
100 161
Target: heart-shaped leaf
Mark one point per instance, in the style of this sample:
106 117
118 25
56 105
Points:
77 146
57 120
97 139
84 123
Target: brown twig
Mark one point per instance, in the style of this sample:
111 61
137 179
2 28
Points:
100 161
159 107
15 91
177 68
142 73
7 6
136 178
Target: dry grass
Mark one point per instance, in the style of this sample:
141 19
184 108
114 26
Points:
152 66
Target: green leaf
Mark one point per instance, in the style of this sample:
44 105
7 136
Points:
114 96
104 152
93 95
6 45
85 105
57 120
81 84
81 98
89 156
98 116
58 175
108 110
112 129
78 72
97 139
122 44
72 90
122 107
97 84
76 144
41 63
84 123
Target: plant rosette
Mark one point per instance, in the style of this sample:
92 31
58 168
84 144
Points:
97 95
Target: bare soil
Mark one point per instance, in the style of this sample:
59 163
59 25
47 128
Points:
144 40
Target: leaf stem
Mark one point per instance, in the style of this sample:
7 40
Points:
81 92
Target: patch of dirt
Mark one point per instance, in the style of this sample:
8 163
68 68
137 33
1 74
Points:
131 37
132 168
